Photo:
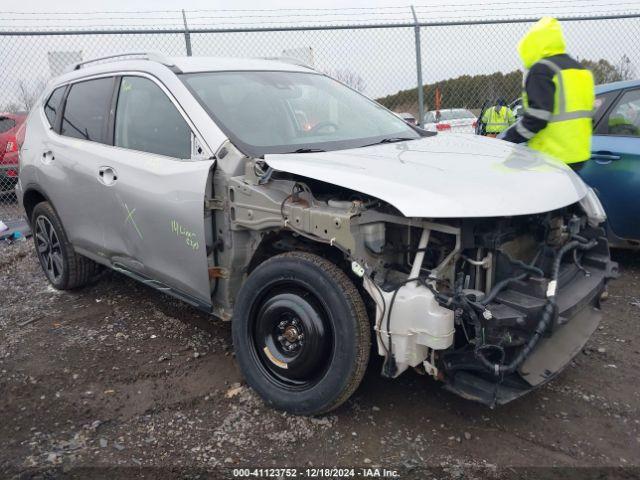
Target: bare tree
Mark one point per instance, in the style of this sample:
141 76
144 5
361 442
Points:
625 69
606 72
11 107
350 78
27 95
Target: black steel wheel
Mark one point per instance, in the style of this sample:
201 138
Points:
301 333
64 268
291 335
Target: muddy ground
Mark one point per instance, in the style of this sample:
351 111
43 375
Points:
117 380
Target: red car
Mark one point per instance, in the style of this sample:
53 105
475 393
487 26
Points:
12 129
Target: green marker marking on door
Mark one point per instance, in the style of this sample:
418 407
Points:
132 221
189 237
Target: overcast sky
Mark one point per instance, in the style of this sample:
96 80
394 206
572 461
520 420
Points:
48 5
384 58
215 11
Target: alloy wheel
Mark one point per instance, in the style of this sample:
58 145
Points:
49 249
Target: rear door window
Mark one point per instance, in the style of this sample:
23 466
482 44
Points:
147 120
87 109
53 105
6 124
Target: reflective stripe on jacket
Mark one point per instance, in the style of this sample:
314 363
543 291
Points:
558 96
567 135
497 119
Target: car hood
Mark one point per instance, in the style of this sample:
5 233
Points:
445 176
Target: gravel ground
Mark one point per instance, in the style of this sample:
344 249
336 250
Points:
117 380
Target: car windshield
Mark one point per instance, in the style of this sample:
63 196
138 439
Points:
282 112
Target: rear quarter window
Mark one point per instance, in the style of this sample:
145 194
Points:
53 105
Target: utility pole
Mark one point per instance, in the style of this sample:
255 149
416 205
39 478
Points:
187 35
418 67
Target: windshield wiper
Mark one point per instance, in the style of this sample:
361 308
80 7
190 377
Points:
307 150
390 140
395 139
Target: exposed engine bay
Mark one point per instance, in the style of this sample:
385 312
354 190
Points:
506 303
493 307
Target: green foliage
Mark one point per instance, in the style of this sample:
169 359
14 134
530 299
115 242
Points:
605 72
465 91
471 91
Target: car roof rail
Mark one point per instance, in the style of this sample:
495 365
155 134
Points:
151 56
290 60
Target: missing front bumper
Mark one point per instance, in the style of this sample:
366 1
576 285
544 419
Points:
578 303
551 356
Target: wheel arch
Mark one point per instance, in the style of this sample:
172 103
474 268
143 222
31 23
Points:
32 196
284 241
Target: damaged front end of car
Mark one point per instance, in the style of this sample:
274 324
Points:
493 307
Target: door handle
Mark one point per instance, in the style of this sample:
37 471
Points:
47 157
604 158
107 175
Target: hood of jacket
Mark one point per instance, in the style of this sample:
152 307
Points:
544 39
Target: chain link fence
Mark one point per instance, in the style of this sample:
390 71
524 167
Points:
410 67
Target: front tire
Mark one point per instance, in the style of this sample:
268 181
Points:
301 333
64 268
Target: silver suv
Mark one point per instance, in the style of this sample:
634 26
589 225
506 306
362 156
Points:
271 195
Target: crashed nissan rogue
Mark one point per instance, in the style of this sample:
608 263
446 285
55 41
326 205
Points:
318 222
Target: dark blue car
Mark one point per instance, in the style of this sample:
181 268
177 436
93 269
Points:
614 168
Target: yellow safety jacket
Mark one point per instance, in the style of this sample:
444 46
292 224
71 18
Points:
567 135
497 119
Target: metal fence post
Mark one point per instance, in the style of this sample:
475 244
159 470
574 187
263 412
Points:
418 67
187 35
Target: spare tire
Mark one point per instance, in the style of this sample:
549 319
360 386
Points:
301 333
